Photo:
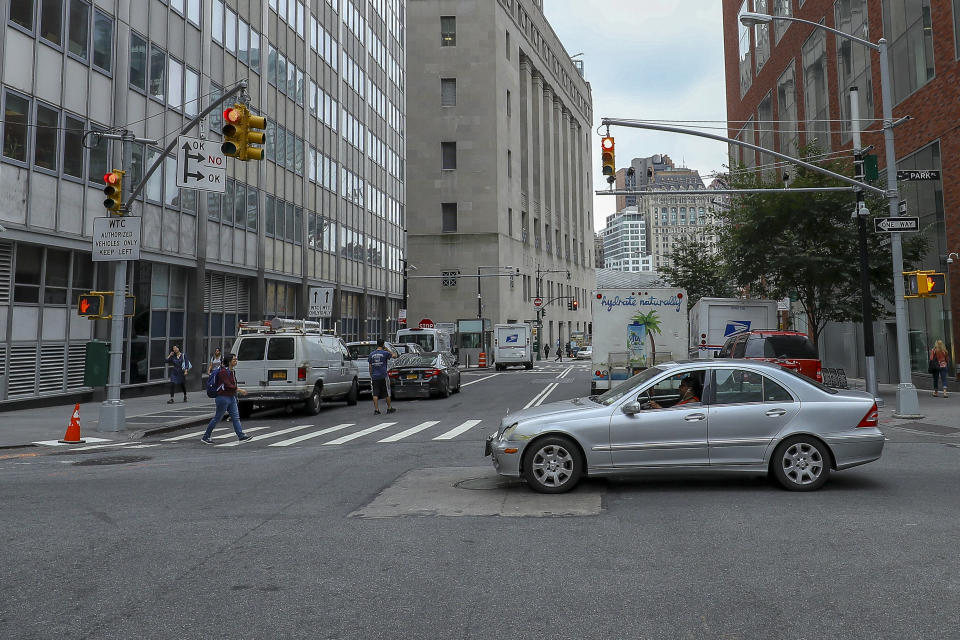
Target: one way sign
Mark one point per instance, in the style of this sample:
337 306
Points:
898 224
200 165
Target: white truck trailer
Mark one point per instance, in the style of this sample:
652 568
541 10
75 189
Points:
713 320
621 344
512 345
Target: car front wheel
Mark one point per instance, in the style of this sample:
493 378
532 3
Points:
312 404
553 465
801 463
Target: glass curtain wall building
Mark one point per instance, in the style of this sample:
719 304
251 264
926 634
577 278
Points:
325 208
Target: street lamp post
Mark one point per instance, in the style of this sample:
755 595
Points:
908 405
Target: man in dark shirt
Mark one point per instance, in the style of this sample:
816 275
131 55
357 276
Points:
378 361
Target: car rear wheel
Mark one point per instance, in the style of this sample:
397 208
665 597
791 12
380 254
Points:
801 463
354 393
552 465
312 404
445 387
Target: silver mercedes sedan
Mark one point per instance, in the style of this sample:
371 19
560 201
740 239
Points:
730 415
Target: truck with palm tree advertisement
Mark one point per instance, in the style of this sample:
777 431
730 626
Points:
633 329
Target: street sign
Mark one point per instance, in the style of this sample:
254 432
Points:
321 302
426 323
116 238
896 225
918 174
200 165
537 303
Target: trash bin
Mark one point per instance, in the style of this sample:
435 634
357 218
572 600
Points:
96 366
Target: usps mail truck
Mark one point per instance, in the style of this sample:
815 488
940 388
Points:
512 345
713 320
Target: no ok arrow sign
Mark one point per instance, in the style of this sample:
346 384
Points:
200 165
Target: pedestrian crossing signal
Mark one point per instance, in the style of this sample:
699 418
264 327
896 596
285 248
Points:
114 192
924 284
90 306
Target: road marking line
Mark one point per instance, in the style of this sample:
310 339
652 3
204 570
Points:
192 435
233 434
361 433
467 384
57 443
307 436
541 394
546 392
264 436
453 433
103 446
409 432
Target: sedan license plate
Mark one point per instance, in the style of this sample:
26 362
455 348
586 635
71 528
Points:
278 375
411 376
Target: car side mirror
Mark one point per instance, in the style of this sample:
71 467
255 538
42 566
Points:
631 408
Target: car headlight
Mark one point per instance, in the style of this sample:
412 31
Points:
509 431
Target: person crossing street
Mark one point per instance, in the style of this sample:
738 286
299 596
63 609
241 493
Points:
227 400
378 362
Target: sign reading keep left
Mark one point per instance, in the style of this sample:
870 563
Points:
116 238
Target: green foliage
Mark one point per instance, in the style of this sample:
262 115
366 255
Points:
702 273
808 243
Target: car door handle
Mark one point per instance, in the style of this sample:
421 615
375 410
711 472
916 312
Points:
775 413
693 417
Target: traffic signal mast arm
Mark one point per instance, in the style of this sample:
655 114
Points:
241 86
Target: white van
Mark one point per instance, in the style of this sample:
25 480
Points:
285 362
512 345
428 339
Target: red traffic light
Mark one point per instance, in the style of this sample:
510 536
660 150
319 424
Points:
232 115
607 143
111 178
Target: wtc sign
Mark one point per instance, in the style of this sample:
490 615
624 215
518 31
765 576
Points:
116 238
200 165
321 302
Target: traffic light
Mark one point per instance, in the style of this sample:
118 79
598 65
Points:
569 305
114 192
90 305
576 305
924 284
608 162
239 133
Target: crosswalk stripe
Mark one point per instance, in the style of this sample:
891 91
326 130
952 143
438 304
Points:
463 428
102 446
409 432
192 435
272 434
361 433
234 435
307 436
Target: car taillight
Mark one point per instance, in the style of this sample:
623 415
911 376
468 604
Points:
429 373
819 376
301 373
393 373
872 418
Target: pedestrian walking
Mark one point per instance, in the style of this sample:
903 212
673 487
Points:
939 359
227 400
559 351
378 361
546 351
179 365
212 364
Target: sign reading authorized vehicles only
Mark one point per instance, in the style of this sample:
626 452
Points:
200 165
898 224
116 238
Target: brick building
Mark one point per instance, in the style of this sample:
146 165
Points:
788 84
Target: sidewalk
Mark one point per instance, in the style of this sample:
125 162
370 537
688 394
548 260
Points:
940 411
144 416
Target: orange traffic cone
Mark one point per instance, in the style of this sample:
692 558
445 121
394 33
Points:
73 429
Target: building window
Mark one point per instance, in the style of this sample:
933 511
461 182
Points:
448 92
21 13
765 127
509 108
46 136
174 84
158 76
781 8
449 222
761 35
99 158
28 274
448 31
816 102
787 105
72 146
79 28
907 25
102 41
746 70
508 45
853 61
51 20
138 62
16 110
509 163
448 152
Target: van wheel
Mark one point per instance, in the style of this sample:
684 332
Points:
528 366
354 393
312 404
245 409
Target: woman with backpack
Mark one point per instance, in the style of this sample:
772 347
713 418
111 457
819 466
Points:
179 365
225 387
939 358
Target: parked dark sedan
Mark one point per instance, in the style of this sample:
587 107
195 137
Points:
420 375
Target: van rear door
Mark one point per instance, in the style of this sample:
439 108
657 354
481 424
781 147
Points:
250 370
280 364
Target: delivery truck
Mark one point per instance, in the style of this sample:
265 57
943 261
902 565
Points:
512 345
713 320
621 344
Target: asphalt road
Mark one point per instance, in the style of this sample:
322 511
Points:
180 540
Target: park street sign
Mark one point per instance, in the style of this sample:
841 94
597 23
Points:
896 225
116 238
918 174
200 165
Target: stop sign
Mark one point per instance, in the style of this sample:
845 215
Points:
426 323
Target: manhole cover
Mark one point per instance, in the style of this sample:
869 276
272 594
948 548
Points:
487 484
111 460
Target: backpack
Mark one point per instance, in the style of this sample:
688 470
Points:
212 386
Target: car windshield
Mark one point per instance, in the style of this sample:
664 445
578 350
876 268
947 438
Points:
358 351
627 386
789 347
424 340
418 360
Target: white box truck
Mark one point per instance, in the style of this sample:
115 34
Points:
512 345
621 345
713 320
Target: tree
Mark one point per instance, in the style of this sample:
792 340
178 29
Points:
652 322
698 270
806 243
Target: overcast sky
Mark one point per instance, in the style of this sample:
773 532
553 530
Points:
651 60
